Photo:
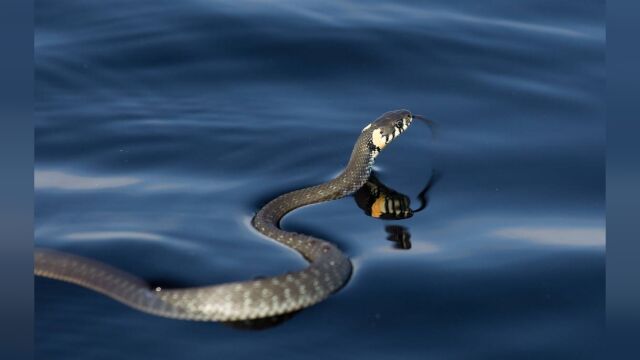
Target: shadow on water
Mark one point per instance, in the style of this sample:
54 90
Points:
261 324
400 235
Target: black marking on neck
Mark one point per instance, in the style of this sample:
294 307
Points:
372 146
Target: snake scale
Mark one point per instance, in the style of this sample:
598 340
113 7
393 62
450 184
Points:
329 269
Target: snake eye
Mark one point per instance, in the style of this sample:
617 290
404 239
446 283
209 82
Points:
399 124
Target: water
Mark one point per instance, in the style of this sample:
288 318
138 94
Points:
162 126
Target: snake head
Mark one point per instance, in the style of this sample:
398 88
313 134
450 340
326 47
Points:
387 127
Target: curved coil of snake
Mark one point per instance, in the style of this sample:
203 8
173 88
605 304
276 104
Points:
328 271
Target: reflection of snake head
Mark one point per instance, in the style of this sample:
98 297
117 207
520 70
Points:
396 207
387 127
379 201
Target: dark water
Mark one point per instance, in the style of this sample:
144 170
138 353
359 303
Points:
162 126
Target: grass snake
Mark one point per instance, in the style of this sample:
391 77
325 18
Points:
329 269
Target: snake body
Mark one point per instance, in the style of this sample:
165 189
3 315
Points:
328 271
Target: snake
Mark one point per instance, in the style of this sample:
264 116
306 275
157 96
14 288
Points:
328 271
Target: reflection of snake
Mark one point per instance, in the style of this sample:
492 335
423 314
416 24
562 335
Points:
379 201
329 268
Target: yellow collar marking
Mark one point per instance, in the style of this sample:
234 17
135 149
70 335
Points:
378 139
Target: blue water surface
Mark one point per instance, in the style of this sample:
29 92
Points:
162 126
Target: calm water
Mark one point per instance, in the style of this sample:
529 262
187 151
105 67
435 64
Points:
162 126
